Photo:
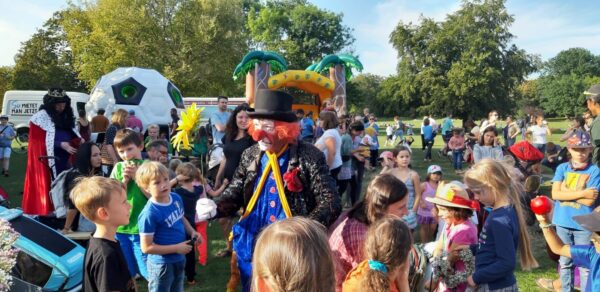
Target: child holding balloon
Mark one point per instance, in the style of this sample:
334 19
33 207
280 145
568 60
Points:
587 256
575 189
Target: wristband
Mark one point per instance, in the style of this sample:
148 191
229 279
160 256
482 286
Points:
544 226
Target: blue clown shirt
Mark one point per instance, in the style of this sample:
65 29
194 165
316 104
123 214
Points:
268 209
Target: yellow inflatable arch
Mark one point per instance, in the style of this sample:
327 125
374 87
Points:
308 81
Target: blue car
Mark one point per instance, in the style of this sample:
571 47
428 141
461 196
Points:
47 261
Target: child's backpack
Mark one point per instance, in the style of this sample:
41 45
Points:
57 193
418 262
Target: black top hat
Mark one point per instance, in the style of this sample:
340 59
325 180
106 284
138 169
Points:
273 105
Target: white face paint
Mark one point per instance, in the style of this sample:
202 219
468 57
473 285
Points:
263 146
267 126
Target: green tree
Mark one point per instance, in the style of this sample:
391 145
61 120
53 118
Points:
195 43
564 79
464 64
300 31
45 60
578 61
6 75
527 97
362 91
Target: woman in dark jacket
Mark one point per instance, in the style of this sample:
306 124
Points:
235 141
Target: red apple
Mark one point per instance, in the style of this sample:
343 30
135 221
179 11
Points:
541 205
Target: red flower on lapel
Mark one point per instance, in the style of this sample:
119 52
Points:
292 181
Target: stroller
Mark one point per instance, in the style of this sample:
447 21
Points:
47 261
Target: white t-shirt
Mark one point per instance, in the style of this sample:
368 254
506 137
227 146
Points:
335 134
538 134
433 124
485 125
389 130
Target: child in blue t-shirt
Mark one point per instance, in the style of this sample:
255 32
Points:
575 188
163 229
586 256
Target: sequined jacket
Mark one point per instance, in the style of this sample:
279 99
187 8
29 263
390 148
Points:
318 200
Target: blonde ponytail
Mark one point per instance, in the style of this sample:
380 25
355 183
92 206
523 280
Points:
498 178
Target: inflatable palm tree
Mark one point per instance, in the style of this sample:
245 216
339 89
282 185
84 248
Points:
257 67
340 70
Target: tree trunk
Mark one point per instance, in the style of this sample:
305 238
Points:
257 79
262 71
250 91
338 99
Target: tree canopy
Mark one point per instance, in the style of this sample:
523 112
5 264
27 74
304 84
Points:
465 64
564 78
300 31
195 43
45 60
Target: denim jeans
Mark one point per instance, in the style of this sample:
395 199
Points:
572 237
132 251
509 142
457 158
541 147
356 181
166 277
428 145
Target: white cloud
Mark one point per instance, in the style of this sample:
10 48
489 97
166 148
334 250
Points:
549 27
11 42
376 52
19 20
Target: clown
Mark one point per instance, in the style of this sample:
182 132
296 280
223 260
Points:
277 178
52 134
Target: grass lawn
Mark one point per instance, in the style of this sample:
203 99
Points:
214 276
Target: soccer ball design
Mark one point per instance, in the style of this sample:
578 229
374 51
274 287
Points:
145 91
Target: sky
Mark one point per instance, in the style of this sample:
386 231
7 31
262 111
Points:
541 27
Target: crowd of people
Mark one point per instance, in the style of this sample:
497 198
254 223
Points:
274 179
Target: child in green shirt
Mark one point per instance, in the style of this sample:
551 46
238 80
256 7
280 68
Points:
128 144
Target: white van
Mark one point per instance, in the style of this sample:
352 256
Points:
20 105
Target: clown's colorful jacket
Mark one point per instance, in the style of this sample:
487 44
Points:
318 199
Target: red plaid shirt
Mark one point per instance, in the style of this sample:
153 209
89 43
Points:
346 242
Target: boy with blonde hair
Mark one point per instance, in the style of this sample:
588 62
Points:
104 202
163 229
153 132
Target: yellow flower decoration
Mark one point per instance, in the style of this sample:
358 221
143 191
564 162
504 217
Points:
186 127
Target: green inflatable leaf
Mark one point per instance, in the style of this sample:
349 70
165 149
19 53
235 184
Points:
250 60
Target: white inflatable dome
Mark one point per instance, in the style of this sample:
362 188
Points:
145 91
